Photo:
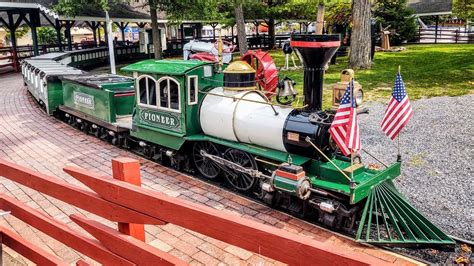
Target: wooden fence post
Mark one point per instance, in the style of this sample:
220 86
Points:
128 170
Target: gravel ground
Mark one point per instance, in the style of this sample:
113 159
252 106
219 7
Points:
437 151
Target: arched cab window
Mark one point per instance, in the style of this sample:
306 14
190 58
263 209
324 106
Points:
169 94
147 91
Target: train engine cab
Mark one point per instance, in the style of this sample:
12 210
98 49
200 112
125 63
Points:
169 93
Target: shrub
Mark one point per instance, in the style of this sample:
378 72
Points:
399 17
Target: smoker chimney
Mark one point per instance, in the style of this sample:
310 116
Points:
316 51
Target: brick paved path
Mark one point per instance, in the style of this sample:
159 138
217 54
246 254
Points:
30 138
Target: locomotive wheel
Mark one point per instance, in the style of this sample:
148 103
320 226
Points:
238 180
205 166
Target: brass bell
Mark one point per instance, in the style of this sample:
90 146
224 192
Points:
287 88
286 93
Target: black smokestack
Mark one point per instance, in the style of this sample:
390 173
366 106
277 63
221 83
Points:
316 51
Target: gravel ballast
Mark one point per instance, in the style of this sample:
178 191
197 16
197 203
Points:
437 148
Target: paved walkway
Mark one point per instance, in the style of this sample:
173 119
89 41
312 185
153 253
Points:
30 138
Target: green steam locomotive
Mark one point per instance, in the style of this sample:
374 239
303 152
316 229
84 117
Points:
204 118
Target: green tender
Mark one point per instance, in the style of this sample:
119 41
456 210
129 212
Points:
104 103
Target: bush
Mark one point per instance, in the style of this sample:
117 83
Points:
338 16
47 35
399 17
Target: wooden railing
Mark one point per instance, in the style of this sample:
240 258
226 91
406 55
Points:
444 35
8 58
121 199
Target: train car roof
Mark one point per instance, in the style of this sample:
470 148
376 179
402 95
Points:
49 56
173 67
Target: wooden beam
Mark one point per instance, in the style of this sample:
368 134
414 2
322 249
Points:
89 24
48 19
13 39
4 23
61 232
128 170
73 195
320 19
27 22
266 240
58 34
68 34
30 251
18 21
141 24
128 247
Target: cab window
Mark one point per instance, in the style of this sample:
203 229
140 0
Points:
164 93
169 94
147 90
192 89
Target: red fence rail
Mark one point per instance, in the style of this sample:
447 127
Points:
122 200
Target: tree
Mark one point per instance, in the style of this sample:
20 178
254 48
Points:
47 35
359 57
154 28
463 9
338 16
171 7
241 34
19 33
399 17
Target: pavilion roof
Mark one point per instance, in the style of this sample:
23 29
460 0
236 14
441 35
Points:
431 7
118 11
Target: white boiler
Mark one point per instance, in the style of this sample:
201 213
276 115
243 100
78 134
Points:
243 116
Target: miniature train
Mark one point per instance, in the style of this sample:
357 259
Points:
195 118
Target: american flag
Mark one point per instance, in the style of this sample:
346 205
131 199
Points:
344 129
398 111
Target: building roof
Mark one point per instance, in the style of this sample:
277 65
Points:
431 7
172 67
118 11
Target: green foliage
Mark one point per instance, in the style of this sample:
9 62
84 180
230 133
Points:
19 33
74 7
399 17
463 9
47 35
339 14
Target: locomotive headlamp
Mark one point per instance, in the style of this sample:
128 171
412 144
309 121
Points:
339 88
238 76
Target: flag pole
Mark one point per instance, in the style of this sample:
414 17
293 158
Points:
399 156
352 183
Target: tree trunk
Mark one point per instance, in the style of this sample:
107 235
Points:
320 19
360 39
155 31
271 33
241 34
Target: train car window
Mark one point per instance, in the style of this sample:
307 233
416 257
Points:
142 88
174 95
151 92
208 71
192 89
169 94
147 91
164 92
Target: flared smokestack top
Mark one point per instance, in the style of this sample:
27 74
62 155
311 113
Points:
316 51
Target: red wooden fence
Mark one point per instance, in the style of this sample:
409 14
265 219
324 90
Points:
122 200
